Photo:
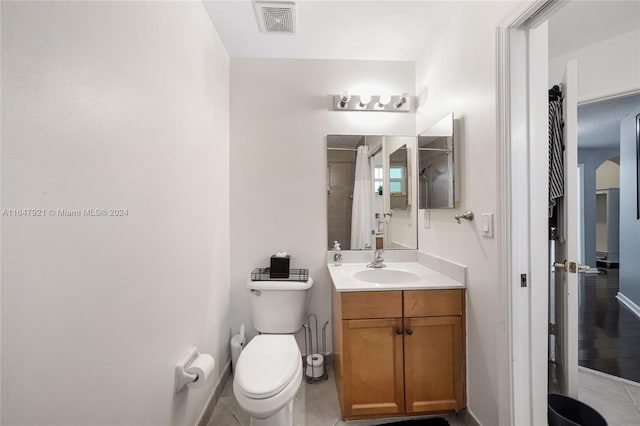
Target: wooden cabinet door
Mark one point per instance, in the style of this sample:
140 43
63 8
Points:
433 364
372 359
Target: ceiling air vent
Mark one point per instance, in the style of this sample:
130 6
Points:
276 17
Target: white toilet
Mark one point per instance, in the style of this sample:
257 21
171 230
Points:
269 370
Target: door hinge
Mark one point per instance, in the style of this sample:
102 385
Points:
553 329
523 280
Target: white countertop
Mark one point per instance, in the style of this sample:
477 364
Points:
343 280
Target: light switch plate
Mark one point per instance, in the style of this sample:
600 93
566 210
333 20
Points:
426 221
487 225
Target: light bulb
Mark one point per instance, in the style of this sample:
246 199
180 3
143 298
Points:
403 100
344 99
364 100
383 101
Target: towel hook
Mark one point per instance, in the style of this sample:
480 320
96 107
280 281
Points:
468 215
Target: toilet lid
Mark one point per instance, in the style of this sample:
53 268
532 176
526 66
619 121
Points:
267 364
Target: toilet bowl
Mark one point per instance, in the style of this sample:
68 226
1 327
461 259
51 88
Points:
267 379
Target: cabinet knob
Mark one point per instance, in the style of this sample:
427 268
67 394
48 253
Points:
409 331
398 331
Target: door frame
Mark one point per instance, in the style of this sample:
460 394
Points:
523 316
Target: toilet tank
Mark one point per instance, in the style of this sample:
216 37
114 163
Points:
279 307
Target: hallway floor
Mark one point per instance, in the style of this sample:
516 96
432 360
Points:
609 333
314 405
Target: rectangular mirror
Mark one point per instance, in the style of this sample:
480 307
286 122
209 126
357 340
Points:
370 203
436 167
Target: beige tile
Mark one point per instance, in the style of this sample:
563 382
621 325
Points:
222 417
315 404
634 394
609 390
616 413
303 416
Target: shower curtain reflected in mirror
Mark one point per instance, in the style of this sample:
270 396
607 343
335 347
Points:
362 211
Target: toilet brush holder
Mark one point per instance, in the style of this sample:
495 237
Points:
315 367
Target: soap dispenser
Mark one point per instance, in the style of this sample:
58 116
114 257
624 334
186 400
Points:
337 257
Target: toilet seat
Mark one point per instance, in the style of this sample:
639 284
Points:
267 365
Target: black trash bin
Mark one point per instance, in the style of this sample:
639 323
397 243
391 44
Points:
566 411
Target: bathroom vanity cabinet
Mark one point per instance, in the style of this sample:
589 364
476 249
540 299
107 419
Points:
399 352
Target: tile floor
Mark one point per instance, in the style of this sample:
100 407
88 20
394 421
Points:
314 405
617 401
317 404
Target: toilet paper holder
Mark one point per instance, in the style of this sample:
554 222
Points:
183 377
314 373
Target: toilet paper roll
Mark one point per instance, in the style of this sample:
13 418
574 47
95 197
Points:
315 366
202 367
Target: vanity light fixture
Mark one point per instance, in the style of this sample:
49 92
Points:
402 101
344 100
382 103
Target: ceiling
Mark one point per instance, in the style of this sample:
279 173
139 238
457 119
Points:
396 30
364 30
581 23
599 122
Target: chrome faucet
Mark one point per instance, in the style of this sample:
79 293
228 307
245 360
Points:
377 260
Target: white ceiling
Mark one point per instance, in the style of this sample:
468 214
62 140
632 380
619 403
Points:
581 23
396 30
365 30
599 122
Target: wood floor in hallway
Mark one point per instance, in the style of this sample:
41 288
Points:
609 333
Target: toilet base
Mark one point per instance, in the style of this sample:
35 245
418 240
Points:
283 417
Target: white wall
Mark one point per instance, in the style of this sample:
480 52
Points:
457 74
629 223
608 175
607 68
112 105
281 112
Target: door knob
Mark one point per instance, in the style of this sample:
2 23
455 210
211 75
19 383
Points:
398 331
409 331
561 265
572 267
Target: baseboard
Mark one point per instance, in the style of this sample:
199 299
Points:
207 412
468 418
629 304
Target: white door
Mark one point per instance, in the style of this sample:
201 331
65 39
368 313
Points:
567 245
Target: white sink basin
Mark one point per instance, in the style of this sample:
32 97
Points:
386 276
